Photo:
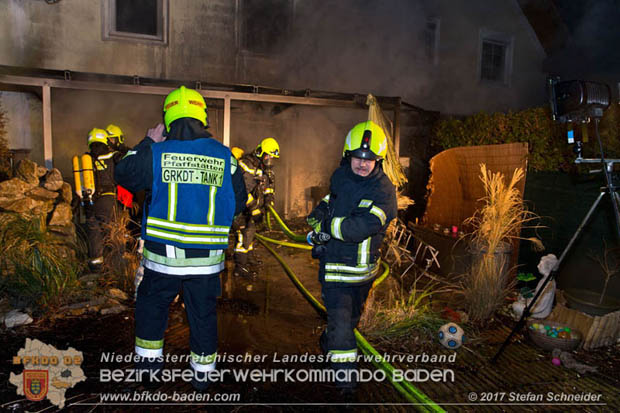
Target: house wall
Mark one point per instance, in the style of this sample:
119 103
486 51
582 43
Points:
358 46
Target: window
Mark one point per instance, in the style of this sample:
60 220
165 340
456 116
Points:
141 20
264 24
431 40
495 61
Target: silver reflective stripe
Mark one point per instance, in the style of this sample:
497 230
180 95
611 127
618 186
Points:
188 239
215 257
202 367
233 165
211 215
342 356
172 201
326 198
364 203
346 268
363 252
106 156
170 252
378 212
182 226
347 278
147 352
335 229
166 269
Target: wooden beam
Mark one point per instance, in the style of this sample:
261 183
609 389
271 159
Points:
160 90
47 127
226 137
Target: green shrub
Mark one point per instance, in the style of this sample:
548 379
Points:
38 268
547 142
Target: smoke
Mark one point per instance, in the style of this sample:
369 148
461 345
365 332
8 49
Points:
595 31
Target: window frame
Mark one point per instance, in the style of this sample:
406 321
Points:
109 32
433 57
504 39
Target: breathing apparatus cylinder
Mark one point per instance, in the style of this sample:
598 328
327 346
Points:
89 178
77 177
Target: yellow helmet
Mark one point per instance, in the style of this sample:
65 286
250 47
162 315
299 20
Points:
184 103
97 135
237 152
115 132
366 140
269 146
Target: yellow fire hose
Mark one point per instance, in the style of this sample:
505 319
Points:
410 392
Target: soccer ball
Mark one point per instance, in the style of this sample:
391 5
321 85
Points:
451 336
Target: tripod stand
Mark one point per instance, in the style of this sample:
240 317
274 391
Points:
608 166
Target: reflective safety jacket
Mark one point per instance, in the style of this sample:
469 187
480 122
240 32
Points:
191 182
258 181
191 196
356 213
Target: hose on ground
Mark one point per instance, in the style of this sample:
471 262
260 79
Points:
410 392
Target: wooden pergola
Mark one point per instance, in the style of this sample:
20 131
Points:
46 79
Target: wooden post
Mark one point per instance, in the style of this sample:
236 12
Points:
47 127
226 137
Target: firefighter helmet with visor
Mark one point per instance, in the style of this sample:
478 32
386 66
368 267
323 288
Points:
97 135
184 103
115 132
367 141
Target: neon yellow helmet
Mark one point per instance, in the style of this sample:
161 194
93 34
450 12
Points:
184 103
366 140
237 152
269 146
115 132
97 135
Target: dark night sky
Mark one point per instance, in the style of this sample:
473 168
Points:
593 49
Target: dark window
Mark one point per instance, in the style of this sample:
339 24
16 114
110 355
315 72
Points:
265 23
493 61
431 38
140 20
137 16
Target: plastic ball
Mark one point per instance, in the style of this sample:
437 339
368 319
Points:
556 361
451 336
547 327
567 329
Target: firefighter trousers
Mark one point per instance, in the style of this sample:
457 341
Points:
98 217
155 294
344 309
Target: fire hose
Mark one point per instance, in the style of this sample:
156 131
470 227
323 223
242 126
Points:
409 391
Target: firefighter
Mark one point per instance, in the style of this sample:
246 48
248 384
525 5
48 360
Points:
349 225
259 180
116 139
193 190
100 213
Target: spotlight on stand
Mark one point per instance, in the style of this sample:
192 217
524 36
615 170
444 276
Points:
577 100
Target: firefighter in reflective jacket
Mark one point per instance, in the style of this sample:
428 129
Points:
349 226
99 215
194 189
259 180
